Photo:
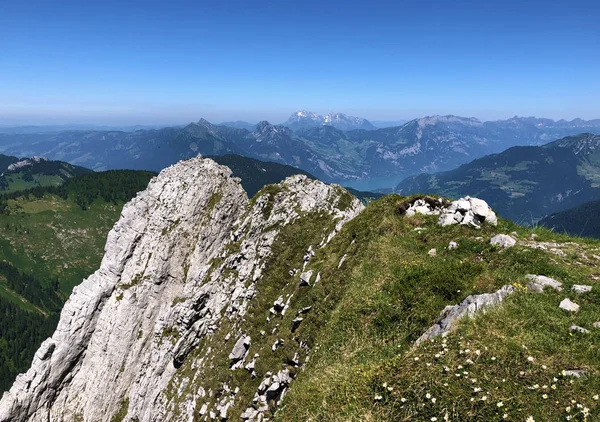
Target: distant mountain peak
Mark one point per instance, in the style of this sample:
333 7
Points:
447 119
304 119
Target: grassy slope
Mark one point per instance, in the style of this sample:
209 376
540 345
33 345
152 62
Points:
54 238
389 291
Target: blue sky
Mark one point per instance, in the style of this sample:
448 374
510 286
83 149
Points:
163 62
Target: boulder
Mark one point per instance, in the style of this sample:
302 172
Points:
452 245
578 329
468 211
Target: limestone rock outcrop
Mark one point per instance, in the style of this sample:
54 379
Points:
185 261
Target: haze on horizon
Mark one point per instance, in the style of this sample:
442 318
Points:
159 63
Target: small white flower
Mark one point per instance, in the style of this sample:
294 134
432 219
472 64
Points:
553 386
544 367
433 400
467 350
530 359
484 398
544 396
460 367
385 385
427 396
433 419
403 400
499 404
505 416
476 389
595 397
478 352
568 409
530 419
378 397
469 361
493 357
416 358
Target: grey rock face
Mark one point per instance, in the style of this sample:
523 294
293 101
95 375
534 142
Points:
166 283
469 307
503 240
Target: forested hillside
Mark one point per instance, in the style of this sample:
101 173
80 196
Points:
50 239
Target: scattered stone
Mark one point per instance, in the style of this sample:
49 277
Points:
533 236
567 305
538 282
578 329
305 278
432 252
470 306
452 245
577 373
303 310
426 206
279 304
596 324
503 240
277 343
341 261
581 288
240 350
318 278
296 323
514 234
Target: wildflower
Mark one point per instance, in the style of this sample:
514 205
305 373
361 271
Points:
521 373
433 400
403 400
544 367
530 359
428 364
595 397
472 399
473 380
469 361
568 409
505 416
530 419
484 398
416 358
460 367
478 352
437 355
390 389
555 379
544 387
544 396
476 389
427 396
378 397
499 404
385 385
467 350
493 357
553 386
433 419
585 411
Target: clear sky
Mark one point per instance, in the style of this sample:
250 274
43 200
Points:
162 62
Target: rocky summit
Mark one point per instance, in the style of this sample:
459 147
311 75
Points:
301 303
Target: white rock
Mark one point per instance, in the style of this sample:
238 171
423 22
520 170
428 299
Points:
452 245
538 282
567 305
503 240
578 329
581 288
432 252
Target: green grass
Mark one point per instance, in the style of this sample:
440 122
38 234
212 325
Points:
390 291
54 238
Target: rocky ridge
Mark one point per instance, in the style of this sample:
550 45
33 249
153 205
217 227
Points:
142 337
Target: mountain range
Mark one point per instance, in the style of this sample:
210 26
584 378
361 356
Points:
525 183
369 158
